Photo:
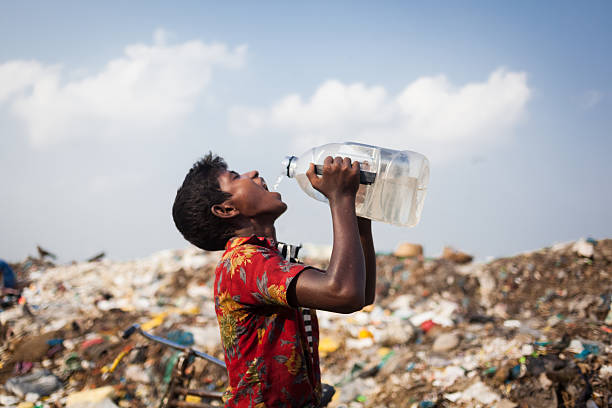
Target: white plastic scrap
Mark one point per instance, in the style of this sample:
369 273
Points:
527 349
448 376
605 372
575 346
514 324
440 311
453 397
8 400
583 248
479 392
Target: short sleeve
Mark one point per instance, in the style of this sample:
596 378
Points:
259 275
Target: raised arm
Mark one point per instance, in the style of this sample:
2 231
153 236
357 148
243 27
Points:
342 288
367 243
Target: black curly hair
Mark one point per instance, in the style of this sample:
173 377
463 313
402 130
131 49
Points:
192 206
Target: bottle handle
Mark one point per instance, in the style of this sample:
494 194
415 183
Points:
365 177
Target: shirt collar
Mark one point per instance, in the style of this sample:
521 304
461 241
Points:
253 239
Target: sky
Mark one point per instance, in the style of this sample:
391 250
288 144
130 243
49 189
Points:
105 106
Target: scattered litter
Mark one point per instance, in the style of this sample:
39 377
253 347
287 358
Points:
479 392
40 382
442 332
446 342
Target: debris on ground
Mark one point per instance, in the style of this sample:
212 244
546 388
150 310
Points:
532 330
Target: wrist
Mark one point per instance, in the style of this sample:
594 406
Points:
341 200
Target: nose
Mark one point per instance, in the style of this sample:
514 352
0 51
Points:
252 174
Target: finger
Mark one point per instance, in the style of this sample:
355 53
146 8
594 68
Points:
346 162
327 163
338 161
356 166
312 177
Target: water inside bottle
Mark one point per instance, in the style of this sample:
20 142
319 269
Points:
392 200
278 181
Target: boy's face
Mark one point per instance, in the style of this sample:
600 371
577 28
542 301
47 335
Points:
250 194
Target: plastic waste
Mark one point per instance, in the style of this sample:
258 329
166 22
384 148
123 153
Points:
481 393
31 397
9 280
583 248
181 337
393 183
328 345
533 292
447 377
117 360
446 342
40 382
427 325
397 333
587 350
94 398
8 400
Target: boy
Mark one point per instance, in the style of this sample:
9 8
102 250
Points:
272 360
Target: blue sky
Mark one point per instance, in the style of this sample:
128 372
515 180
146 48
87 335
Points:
104 107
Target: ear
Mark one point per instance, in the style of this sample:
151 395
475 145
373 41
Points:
224 210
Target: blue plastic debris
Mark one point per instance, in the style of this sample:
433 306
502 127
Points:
588 350
181 337
515 372
55 342
9 280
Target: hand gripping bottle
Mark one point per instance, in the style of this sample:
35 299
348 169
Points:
393 183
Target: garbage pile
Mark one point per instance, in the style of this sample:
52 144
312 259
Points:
531 330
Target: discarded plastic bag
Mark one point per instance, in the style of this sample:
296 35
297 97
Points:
40 382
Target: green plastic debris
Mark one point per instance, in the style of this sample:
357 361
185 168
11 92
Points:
170 366
386 358
490 371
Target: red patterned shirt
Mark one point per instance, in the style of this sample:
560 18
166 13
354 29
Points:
266 349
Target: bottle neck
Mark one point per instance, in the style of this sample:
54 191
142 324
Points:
289 164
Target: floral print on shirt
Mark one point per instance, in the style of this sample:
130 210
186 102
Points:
266 349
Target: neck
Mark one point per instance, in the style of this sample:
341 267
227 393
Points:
260 228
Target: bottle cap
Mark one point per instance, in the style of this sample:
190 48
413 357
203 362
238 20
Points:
289 163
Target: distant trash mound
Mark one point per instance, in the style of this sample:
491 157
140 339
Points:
531 329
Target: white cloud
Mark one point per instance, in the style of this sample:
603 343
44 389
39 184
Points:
430 114
150 86
18 75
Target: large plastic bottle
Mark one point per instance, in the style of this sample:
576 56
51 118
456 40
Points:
393 183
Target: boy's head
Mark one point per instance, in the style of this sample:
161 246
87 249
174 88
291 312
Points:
214 203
